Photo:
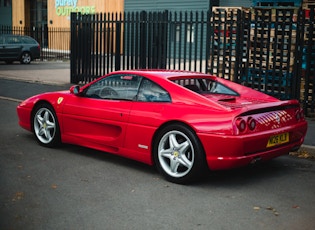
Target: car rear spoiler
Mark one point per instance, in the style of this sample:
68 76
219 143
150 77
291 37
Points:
267 107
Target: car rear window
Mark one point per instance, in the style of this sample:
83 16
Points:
28 40
205 86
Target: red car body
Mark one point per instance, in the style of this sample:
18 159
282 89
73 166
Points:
232 125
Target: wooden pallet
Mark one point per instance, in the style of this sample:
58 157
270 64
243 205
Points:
274 14
307 4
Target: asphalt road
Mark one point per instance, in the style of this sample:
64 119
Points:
77 188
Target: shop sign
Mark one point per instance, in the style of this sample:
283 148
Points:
66 7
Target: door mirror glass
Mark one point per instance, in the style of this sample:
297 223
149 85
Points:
75 90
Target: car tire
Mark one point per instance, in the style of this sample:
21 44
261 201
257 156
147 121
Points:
179 155
45 125
26 58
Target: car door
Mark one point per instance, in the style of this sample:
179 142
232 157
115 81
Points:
147 113
100 115
12 47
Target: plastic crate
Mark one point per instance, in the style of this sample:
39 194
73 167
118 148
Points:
268 77
277 2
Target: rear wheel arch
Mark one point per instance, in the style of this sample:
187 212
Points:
168 123
196 159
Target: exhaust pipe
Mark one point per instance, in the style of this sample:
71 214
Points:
255 160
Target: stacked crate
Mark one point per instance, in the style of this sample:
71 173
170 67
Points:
276 3
271 50
307 4
308 55
223 48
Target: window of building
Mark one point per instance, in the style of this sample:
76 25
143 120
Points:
5 3
38 13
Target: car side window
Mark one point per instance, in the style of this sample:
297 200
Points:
13 40
115 87
151 92
9 40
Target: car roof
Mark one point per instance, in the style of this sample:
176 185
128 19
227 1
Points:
166 74
15 35
7 35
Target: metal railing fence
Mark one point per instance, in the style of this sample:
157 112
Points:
268 49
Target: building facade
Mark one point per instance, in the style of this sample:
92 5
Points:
51 13
6 12
56 13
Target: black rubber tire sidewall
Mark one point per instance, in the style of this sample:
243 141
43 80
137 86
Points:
199 166
22 59
56 139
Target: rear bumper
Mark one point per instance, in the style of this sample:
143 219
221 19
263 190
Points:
226 152
35 54
220 163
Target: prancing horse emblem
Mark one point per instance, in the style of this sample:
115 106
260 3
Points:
60 99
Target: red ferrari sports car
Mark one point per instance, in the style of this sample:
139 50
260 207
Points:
182 122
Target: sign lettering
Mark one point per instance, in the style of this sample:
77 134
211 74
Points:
66 7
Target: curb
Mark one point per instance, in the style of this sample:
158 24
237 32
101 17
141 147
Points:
13 78
305 151
309 148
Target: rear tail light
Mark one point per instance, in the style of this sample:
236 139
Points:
299 114
241 125
251 123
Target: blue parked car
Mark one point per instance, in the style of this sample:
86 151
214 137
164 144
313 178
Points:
18 48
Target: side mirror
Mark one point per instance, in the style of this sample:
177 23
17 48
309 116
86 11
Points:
75 89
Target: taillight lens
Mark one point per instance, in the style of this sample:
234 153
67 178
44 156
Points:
241 124
251 123
299 114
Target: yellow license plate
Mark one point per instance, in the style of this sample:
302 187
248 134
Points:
278 139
